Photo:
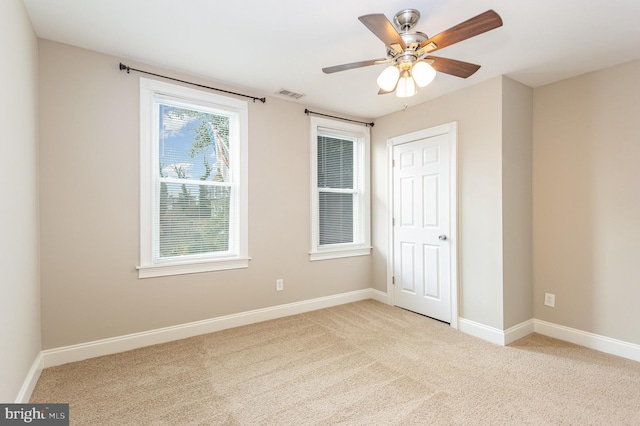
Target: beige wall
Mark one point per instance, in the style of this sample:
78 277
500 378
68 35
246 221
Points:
19 275
586 204
478 112
517 120
89 211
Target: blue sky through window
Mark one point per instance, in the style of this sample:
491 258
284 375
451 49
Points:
187 140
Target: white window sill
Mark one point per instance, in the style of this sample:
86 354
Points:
338 253
149 271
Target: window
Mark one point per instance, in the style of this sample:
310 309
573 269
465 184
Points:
340 189
193 181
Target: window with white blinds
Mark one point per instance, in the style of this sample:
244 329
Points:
193 181
340 188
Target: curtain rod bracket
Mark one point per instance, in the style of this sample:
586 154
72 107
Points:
129 69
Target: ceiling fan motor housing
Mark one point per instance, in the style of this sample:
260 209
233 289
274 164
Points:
405 21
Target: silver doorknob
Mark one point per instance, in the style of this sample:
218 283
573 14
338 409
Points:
442 237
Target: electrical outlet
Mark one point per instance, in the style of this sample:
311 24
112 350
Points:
550 300
279 284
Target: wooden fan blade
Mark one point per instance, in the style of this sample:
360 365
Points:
352 65
452 66
470 28
383 29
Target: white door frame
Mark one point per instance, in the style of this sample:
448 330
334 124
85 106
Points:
450 129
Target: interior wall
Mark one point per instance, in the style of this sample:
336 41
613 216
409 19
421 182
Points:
585 156
586 202
90 210
478 112
517 152
19 286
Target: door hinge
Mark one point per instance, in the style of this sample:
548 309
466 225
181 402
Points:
393 221
393 163
393 280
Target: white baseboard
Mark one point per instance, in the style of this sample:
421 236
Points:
380 296
590 340
63 355
518 331
481 331
30 381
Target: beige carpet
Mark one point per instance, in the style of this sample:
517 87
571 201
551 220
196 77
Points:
364 363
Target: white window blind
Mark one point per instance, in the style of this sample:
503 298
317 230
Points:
194 184
337 190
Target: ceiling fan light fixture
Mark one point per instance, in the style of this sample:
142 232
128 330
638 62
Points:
388 78
406 86
423 73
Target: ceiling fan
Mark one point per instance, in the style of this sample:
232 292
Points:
409 51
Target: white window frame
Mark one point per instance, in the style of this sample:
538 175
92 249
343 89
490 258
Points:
362 233
150 92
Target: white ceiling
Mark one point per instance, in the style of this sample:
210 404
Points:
262 46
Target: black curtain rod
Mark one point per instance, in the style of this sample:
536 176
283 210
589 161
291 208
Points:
306 111
125 67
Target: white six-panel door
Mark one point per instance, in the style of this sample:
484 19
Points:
421 226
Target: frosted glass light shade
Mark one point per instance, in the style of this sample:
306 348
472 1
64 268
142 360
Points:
406 86
388 78
423 73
